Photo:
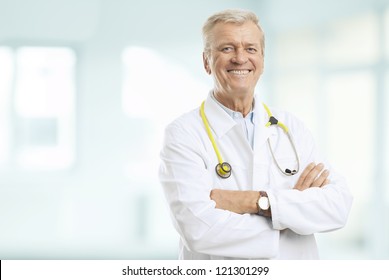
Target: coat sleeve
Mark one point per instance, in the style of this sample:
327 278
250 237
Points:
315 209
203 228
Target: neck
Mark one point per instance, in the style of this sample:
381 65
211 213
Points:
242 104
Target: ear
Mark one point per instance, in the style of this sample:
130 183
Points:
206 64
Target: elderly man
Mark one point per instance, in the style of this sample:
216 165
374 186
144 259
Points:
240 182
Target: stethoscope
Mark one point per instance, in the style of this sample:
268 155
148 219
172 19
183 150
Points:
224 169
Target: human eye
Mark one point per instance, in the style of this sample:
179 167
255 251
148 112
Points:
252 50
227 49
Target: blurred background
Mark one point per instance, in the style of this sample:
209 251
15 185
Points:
87 87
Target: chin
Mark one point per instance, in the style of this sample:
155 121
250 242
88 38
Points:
242 90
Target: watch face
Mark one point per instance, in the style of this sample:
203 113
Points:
263 203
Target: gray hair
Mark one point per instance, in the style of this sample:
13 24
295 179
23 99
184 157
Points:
235 16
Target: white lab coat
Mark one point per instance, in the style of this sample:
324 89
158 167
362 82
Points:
187 174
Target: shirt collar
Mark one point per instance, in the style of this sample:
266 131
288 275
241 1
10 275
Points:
234 114
221 122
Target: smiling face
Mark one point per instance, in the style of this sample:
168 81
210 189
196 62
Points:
235 59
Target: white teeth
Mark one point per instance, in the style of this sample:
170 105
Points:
239 72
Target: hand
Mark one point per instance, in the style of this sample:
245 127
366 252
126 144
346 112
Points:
240 202
312 176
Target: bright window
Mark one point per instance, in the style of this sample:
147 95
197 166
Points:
155 91
352 41
157 88
42 102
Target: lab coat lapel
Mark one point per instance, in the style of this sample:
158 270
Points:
218 119
262 132
231 141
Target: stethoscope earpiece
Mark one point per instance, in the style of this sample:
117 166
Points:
290 172
224 170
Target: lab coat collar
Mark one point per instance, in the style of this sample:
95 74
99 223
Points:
221 122
218 119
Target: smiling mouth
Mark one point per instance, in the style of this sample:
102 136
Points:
239 72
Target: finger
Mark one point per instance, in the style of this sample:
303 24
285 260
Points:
214 194
312 175
319 182
304 174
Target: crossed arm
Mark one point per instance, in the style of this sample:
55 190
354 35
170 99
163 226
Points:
241 202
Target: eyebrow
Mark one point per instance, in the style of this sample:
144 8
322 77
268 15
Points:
230 43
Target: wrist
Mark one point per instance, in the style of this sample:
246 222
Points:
251 202
263 204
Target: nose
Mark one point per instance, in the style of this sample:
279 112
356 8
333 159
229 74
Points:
240 57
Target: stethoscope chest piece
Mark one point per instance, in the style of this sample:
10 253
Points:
223 170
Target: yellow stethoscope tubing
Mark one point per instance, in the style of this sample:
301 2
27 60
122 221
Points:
225 168
280 124
208 129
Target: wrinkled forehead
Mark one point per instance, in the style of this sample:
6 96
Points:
247 32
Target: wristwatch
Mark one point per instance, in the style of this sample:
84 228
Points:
263 204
